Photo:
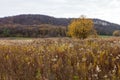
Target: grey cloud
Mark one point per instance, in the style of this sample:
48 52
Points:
104 9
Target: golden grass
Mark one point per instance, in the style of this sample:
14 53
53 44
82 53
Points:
60 59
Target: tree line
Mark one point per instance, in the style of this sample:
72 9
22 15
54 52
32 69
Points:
32 31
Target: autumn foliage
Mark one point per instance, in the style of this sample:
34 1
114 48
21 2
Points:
116 33
81 28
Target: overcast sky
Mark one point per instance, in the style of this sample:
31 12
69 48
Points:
103 9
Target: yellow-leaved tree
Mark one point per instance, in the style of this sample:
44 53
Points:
81 28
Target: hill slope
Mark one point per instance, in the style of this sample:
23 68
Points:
102 27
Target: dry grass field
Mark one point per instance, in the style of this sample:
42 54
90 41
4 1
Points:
60 59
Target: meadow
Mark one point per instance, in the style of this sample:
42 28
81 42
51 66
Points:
60 59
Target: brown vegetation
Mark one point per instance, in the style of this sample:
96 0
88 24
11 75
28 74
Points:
61 59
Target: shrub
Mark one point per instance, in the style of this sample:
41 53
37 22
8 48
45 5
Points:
6 32
81 28
116 33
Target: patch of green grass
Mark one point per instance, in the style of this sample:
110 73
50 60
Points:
105 36
16 38
19 38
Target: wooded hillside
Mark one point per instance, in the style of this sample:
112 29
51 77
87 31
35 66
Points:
46 26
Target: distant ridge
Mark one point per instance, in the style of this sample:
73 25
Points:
102 27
